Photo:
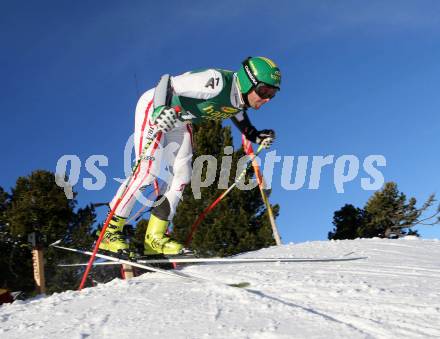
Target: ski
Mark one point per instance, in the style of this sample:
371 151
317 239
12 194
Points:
241 260
172 273
227 260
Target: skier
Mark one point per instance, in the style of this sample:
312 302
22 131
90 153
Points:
164 116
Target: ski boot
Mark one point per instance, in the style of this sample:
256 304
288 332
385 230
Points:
156 242
113 240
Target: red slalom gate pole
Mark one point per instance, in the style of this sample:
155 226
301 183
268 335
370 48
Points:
98 242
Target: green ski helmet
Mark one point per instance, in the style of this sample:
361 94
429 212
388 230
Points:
258 70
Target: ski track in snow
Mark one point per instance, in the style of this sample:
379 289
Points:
395 293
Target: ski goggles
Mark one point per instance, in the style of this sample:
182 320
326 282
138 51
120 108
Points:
265 91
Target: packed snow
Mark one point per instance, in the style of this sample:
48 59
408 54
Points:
394 293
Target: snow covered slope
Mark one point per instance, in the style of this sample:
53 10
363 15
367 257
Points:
395 293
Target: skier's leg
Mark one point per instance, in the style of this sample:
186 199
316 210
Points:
180 167
144 175
178 157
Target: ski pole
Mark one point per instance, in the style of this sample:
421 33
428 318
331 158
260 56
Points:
148 143
261 184
211 207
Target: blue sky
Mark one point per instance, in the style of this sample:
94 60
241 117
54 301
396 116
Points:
358 78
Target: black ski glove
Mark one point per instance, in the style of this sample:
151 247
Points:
265 137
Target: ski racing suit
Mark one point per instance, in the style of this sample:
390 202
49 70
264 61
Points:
210 94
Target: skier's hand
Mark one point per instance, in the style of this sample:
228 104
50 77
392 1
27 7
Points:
265 137
165 118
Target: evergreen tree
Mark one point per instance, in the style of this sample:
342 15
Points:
16 271
4 202
37 204
15 255
239 222
80 231
390 214
347 221
387 214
